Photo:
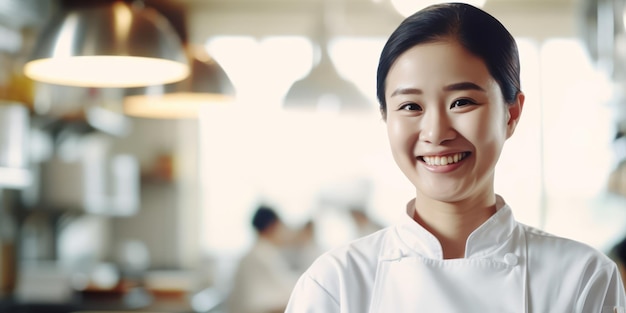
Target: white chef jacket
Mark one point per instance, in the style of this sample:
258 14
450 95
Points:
508 267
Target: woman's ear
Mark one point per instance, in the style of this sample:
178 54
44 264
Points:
514 113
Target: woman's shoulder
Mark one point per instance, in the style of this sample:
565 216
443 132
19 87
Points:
364 248
357 258
343 273
541 243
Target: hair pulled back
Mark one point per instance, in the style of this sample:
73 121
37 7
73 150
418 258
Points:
476 30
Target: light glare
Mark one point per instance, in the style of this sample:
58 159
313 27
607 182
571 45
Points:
106 71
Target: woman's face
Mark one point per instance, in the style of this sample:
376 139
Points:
447 121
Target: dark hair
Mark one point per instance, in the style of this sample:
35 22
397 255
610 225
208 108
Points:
618 252
263 218
476 30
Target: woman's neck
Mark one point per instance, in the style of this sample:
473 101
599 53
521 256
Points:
452 223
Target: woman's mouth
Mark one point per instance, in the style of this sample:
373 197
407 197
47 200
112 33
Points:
441 160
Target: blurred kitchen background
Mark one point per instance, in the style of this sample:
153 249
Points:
122 191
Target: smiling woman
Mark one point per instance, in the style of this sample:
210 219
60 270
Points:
455 108
449 90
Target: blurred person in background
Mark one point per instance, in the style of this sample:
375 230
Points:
304 249
363 222
264 277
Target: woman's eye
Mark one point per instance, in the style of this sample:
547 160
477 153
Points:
461 103
410 107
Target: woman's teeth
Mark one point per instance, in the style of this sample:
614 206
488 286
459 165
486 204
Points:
444 160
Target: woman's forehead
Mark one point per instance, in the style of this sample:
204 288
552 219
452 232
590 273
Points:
438 61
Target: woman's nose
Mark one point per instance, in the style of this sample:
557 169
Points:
436 128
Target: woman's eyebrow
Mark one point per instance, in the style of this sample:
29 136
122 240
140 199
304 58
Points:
451 87
463 86
406 91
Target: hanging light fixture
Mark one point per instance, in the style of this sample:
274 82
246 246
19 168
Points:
408 7
108 45
206 84
323 88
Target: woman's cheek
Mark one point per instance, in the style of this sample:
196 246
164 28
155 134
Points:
402 137
393 135
476 127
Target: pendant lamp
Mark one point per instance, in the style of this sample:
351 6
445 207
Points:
108 45
207 84
324 89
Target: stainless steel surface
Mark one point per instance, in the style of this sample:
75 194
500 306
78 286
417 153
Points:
103 30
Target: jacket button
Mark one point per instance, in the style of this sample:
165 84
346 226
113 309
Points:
510 259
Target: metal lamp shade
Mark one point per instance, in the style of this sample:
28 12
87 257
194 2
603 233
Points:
323 89
207 84
112 45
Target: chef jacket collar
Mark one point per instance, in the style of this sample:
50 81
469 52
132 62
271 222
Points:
485 239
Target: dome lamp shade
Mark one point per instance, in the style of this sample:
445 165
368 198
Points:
113 45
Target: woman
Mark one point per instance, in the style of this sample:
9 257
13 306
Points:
449 90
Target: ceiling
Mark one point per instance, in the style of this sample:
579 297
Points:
206 18
200 20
